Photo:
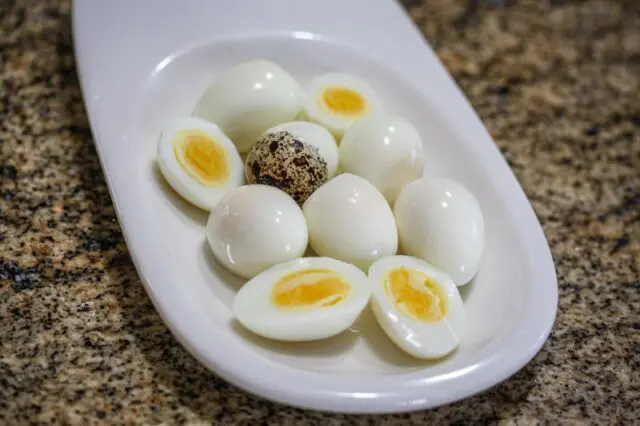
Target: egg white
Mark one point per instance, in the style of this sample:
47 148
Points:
349 219
181 181
254 227
315 109
254 309
250 98
421 339
441 222
385 150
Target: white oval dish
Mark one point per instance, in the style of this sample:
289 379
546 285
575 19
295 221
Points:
137 78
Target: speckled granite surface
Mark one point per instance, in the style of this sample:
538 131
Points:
556 82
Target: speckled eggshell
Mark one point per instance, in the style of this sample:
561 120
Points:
279 159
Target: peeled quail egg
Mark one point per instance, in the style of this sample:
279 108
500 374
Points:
254 227
336 100
440 221
249 99
385 150
282 160
315 135
302 300
349 219
199 161
417 306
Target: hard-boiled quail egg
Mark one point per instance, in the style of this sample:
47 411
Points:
349 219
249 99
315 135
254 227
199 161
336 100
282 160
383 149
302 300
440 221
417 306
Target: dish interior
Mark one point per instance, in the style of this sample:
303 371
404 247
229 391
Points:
493 300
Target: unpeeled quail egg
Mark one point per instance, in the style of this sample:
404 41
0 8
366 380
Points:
283 161
315 135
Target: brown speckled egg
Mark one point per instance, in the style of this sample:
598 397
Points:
279 159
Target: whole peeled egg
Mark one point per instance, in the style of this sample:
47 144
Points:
349 219
302 300
440 221
250 98
254 227
385 150
282 160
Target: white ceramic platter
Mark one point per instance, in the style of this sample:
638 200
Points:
143 63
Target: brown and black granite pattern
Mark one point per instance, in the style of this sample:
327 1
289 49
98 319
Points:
557 83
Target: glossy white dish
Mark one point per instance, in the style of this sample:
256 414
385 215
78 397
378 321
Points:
135 78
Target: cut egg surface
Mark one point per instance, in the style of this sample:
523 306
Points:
250 98
336 100
199 161
303 300
417 306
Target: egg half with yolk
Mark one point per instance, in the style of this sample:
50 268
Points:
199 161
417 306
336 100
302 300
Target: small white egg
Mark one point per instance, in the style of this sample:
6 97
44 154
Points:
249 99
303 300
349 220
254 227
440 221
199 161
336 100
315 135
385 150
417 306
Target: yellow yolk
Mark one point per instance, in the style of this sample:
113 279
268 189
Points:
202 157
341 100
416 295
310 288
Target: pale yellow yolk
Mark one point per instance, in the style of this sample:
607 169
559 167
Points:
416 295
202 157
310 288
343 101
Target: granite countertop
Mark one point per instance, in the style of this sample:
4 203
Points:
558 85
